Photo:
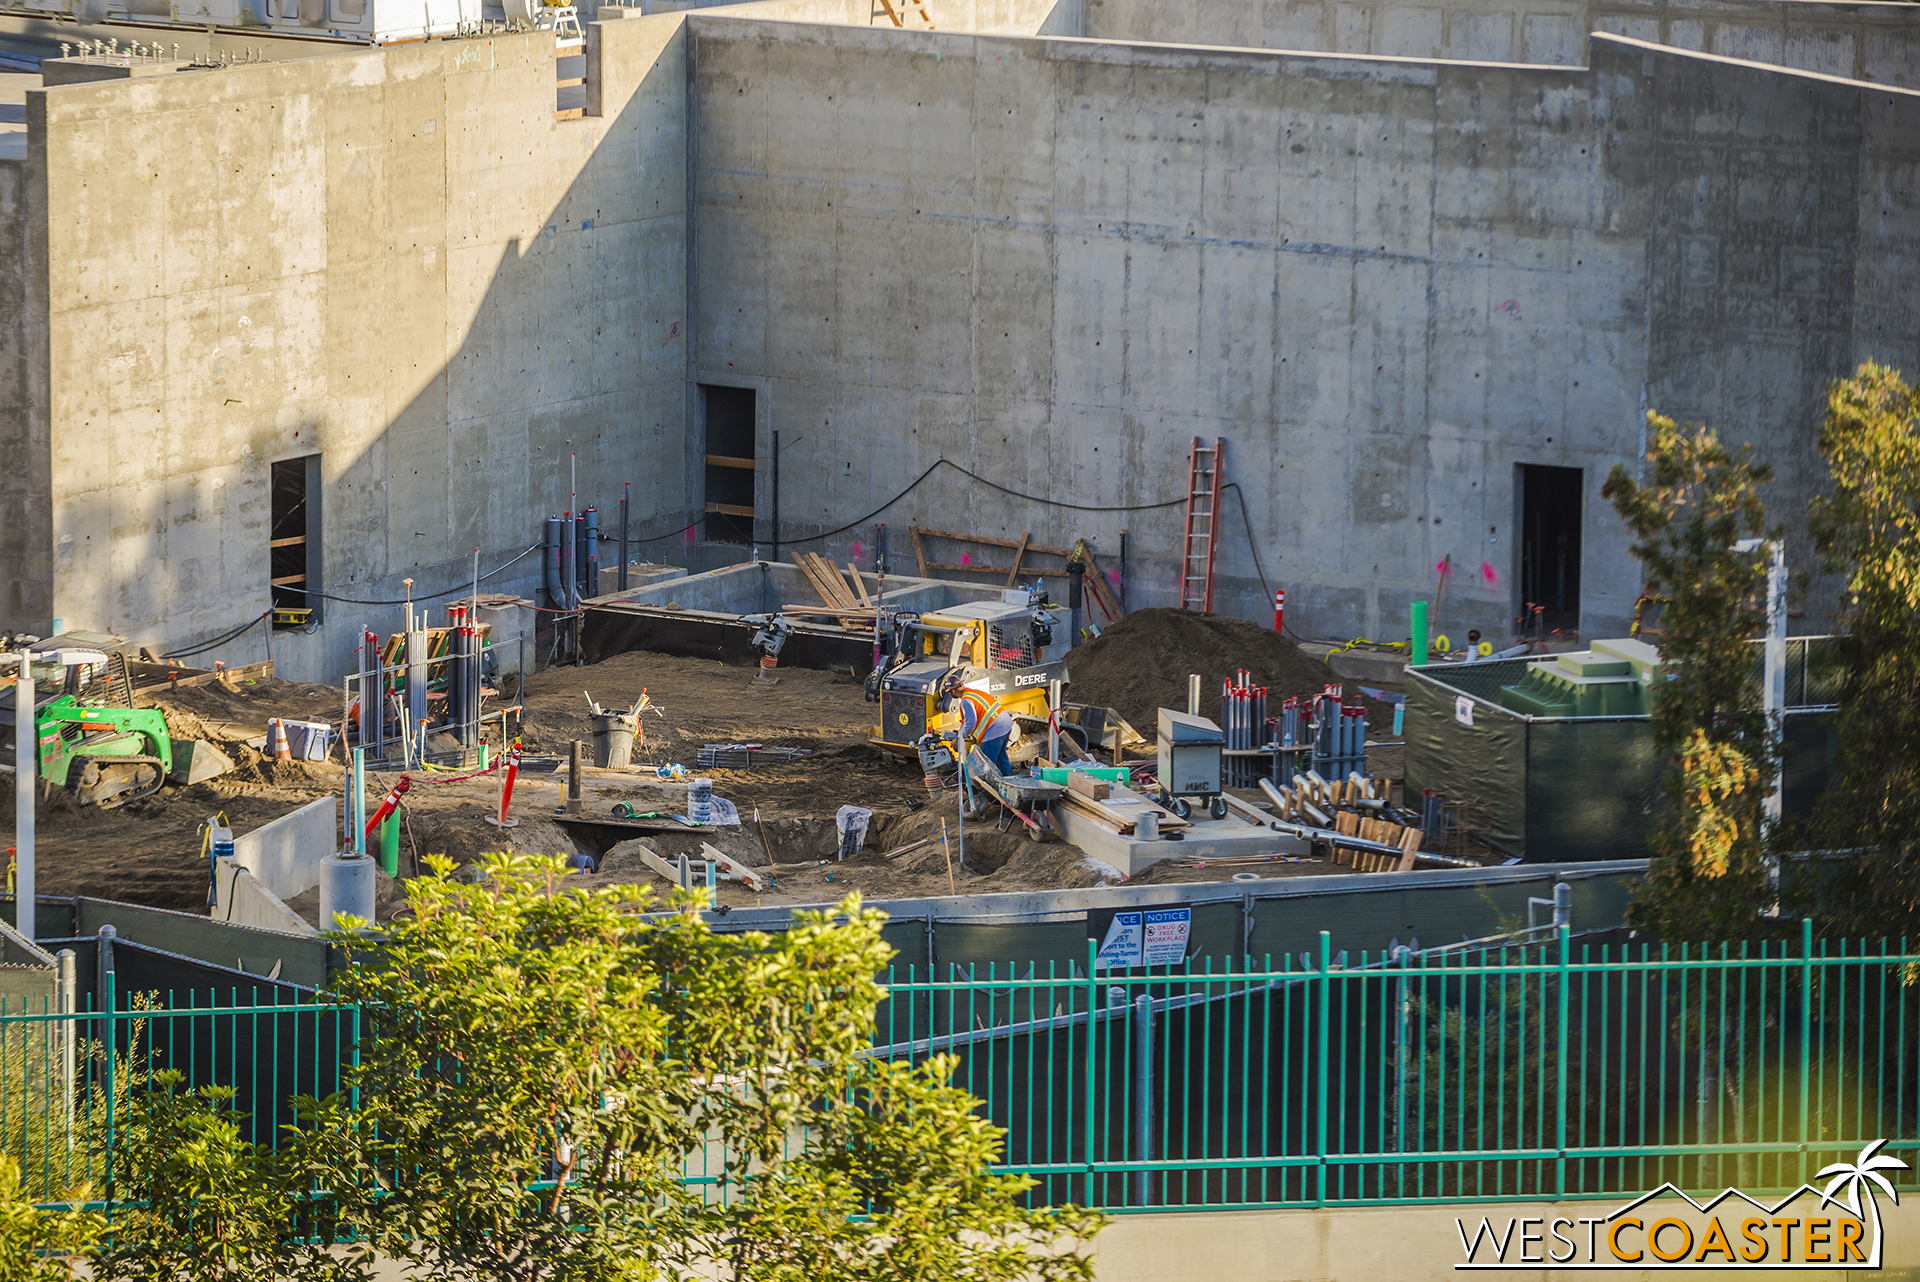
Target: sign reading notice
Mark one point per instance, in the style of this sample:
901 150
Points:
1154 937
1463 710
1166 931
1121 947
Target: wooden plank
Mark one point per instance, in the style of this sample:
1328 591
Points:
1087 786
992 569
1246 810
723 460
990 541
202 677
829 579
919 551
859 586
570 113
1409 847
287 543
730 509
1098 581
813 577
753 879
1019 555
572 83
288 578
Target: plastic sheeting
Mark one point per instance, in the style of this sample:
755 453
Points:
1564 790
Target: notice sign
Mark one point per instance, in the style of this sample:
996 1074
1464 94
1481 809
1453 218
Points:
1152 937
1463 710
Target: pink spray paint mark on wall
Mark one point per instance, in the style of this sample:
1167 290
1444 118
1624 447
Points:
966 558
1487 575
1444 566
1113 577
855 551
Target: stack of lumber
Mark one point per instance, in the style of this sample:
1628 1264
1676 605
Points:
1384 831
850 605
1119 810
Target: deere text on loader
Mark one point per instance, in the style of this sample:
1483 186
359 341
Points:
999 647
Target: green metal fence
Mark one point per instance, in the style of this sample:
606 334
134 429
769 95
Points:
1546 1069
1551 1070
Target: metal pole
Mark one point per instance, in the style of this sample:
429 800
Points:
68 998
357 800
1076 571
1775 695
1193 694
25 740
773 499
1143 1093
625 492
1053 720
1322 1020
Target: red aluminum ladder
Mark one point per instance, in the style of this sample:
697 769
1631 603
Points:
1204 466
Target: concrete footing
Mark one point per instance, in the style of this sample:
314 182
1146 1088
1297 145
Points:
1205 837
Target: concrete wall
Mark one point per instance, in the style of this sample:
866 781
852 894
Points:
1406 1243
284 855
1384 282
1784 250
399 260
1872 41
241 899
26 572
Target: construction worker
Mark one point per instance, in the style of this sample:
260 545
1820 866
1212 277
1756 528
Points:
981 722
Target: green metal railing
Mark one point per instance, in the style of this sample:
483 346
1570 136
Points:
1549 1069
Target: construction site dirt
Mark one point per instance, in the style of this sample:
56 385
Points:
150 851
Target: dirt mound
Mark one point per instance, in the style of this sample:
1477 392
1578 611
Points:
462 834
1140 665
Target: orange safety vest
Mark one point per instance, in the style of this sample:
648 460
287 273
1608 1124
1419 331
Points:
985 708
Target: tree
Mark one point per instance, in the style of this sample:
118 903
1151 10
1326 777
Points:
41 1245
1867 527
542 1065
1699 499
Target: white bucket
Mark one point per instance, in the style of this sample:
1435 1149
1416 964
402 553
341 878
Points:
700 801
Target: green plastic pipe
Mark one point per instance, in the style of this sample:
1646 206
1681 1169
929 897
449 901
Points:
1418 653
390 846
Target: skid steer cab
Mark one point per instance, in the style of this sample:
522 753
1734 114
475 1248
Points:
106 755
999 647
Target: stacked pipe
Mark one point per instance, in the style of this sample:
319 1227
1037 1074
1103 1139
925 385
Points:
373 703
1290 740
1340 736
1243 722
1432 814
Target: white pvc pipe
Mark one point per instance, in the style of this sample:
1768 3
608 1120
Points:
24 768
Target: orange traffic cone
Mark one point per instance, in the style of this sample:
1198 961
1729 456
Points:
281 752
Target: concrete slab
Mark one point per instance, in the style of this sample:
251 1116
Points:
1206 837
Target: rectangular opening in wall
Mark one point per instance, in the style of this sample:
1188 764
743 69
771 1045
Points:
293 541
728 413
1550 544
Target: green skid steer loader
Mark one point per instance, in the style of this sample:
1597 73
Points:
105 755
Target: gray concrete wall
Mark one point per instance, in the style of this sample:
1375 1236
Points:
1384 282
1871 41
26 578
399 260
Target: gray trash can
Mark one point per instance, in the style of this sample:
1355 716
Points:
613 739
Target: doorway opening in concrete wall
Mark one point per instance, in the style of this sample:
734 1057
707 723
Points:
293 542
1550 512
728 414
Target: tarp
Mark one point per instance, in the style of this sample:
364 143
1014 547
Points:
1569 789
